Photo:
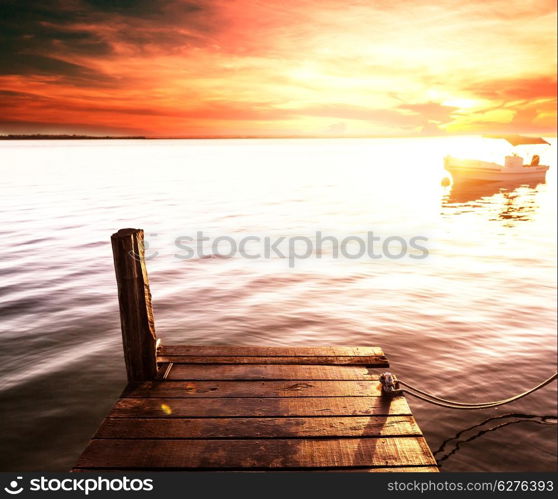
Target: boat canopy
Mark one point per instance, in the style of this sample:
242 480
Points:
519 140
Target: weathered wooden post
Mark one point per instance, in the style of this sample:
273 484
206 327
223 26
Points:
136 314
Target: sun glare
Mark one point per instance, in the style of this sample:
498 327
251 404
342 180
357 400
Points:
461 103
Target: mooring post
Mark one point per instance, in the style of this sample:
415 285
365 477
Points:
136 314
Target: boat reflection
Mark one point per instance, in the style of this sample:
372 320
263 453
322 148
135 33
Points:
501 201
464 192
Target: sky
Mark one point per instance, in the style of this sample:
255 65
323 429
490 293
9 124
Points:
205 68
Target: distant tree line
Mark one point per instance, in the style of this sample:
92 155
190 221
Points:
41 136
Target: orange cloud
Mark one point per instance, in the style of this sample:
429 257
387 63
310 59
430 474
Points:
304 67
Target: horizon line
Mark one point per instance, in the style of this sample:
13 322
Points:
75 136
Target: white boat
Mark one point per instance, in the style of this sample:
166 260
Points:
513 170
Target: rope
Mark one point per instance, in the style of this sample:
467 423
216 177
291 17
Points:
480 404
452 404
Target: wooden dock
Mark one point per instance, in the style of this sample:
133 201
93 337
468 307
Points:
224 408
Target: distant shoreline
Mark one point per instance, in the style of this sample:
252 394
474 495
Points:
194 137
215 137
63 137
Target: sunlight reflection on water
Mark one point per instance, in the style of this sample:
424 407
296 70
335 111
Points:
476 319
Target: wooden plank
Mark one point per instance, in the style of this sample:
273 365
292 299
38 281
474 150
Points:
370 361
205 428
261 389
401 469
270 372
267 454
268 351
259 407
394 469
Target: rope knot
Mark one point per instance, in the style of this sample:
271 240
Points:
390 384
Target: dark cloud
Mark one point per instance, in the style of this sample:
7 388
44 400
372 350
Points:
14 95
147 9
29 64
23 126
39 37
29 27
35 40
135 7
